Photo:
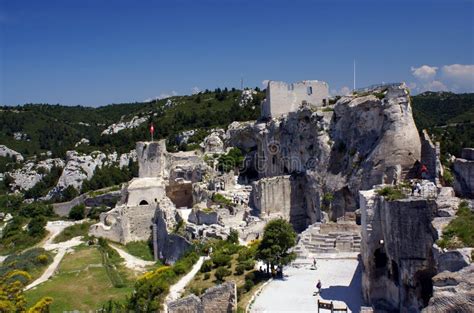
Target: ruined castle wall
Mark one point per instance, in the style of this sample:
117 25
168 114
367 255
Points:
282 98
151 158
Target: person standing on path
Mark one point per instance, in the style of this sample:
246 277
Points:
319 286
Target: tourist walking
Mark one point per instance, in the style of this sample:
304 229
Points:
318 285
314 263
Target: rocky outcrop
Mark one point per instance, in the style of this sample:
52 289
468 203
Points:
396 252
218 299
81 167
213 143
7 152
464 173
452 292
32 173
133 123
362 141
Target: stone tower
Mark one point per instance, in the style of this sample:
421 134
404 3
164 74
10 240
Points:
151 158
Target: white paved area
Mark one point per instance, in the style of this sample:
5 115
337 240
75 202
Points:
132 262
341 283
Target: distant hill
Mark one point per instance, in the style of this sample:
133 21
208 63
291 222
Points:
57 128
448 117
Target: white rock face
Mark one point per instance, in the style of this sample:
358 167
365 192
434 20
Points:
213 143
28 176
20 136
81 167
134 123
7 152
246 97
83 141
183 137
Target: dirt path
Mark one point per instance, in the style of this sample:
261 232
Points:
177 289
132 262
55 228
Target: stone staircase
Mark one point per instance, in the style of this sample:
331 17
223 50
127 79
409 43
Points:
313 241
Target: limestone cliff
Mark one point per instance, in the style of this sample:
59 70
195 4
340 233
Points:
329 154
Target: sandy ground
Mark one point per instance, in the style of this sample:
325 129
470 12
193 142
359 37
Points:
177 289
55 228
341 283
132 262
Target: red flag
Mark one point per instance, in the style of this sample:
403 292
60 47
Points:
152 129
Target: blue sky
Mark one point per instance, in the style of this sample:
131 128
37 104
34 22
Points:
96 52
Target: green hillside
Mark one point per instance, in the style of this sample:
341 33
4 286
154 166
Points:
58 128
448 117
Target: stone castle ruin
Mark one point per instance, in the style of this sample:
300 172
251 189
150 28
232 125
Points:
282 98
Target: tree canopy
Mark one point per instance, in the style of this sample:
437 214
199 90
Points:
278 238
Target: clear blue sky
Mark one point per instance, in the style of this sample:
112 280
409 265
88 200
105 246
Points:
96 52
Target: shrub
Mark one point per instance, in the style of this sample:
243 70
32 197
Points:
78 212
239 269
42 259
391 193
206 266
36 226
248 284
233 236
222 272
207 276
221 259
448 177
249 264
460 231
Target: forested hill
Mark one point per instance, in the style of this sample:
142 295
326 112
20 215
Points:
448 117
58 128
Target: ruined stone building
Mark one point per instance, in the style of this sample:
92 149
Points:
282 98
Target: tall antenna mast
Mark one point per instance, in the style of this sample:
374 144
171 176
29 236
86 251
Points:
354 75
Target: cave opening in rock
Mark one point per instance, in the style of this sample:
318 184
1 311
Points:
380 260
425 284
143 202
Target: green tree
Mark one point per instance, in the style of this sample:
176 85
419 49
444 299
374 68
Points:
78 212
278 238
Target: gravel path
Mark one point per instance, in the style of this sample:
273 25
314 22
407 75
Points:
55 228
341 283
132 262
177 289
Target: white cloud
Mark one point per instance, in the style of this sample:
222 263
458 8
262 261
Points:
459 76
435 85
454 77
195 90
424 72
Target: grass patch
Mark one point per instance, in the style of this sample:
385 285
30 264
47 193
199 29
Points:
73 231
391 193
460 231
81 284
140 249
33 261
